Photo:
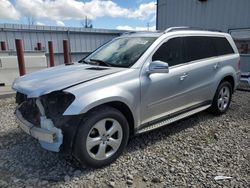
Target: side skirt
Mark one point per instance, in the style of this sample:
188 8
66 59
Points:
172 118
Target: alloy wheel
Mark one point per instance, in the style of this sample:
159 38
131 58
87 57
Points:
104 139
223 98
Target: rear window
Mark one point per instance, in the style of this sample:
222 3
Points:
198 47
222 46
191 48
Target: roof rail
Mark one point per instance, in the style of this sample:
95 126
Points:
128 33
188 28
133 32
181 28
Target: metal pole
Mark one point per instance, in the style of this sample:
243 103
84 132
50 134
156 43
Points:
68 35
39 46
20 57
66 52
3 46
51 54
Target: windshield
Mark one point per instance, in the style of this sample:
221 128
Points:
121 52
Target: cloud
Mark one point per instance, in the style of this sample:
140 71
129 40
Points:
40 23
126 27
144 10
153 19
74 9
8 11
60 23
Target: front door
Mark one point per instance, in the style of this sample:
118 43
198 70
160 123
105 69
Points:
165 93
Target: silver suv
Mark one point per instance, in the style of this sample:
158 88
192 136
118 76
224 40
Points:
133 84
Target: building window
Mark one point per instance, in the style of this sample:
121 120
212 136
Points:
242 40
243 46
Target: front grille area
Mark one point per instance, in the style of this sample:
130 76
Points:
30 111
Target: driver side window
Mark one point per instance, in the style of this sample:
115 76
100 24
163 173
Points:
170 52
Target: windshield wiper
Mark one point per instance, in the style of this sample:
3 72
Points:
101 61
83 61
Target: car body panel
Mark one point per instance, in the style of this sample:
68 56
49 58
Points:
162 93
149 97
122 87
57 78
227 67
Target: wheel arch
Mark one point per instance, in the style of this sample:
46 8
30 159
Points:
230 79
125 110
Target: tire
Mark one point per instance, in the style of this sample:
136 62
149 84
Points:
96 145
222 98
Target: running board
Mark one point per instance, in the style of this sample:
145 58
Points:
173 119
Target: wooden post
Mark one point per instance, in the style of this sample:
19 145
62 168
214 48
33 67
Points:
20 57
51 54
3 46
66 52
39 46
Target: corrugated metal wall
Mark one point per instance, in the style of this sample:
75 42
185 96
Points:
82 41
211 14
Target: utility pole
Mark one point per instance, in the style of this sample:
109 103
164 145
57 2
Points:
148 26
87 23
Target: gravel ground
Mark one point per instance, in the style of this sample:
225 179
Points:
189 153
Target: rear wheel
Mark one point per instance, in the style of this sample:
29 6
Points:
102 137
222 98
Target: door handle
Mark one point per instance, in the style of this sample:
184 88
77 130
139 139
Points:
183 76
217 65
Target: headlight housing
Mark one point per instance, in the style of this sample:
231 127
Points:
56 103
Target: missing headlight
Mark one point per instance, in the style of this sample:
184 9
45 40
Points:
56 103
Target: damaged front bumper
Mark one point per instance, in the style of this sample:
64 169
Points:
34 131
47 134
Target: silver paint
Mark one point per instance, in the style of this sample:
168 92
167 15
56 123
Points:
148 96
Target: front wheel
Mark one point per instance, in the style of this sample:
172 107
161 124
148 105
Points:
222 98
102 137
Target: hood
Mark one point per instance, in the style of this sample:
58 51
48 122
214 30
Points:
58 78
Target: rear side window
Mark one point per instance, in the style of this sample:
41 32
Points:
198 47
170 52
222 46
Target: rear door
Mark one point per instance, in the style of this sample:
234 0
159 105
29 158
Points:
203 61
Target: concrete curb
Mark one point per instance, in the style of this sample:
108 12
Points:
7 95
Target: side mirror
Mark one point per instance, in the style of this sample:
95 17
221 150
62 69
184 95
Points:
158 67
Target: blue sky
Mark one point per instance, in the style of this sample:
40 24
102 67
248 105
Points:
109 14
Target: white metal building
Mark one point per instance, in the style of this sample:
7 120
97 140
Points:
82 41
231 16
